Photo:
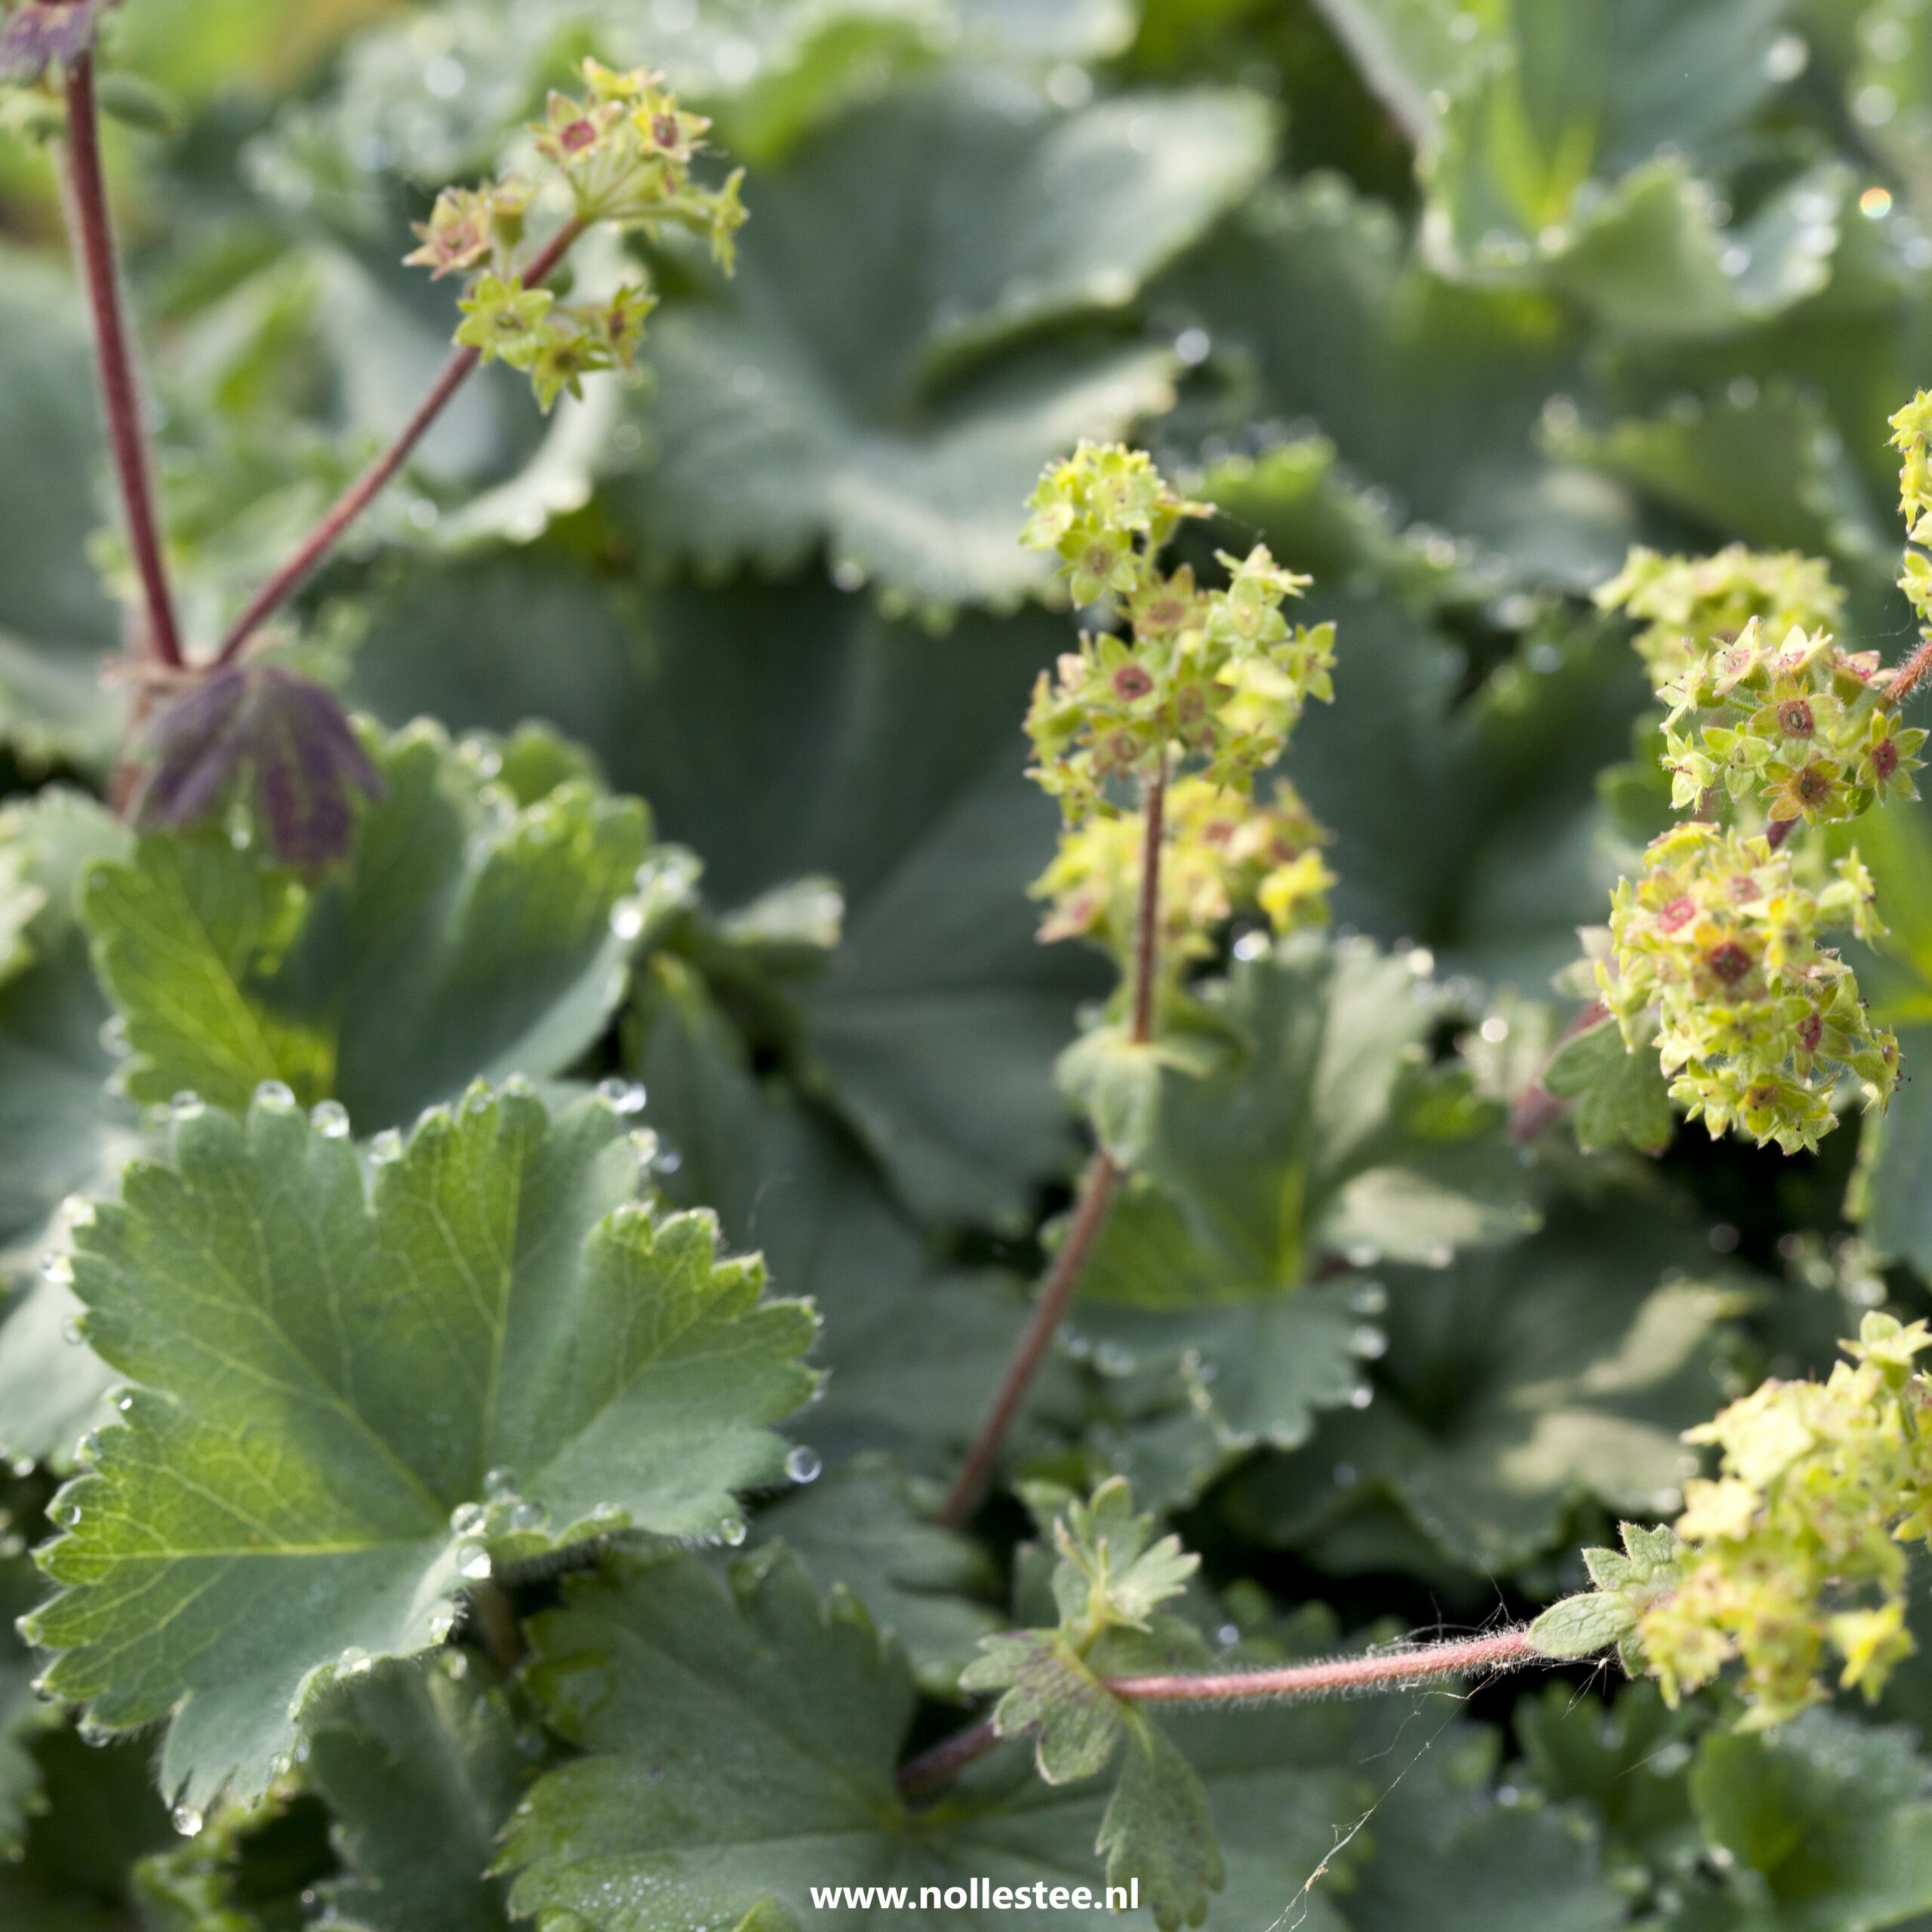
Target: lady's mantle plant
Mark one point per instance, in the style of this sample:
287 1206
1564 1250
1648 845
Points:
436 1417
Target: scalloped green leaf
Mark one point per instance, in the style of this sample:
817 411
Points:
1516 1387
740 1745
420 1766
1621 1097
355 1391
872 381
768 728
473 934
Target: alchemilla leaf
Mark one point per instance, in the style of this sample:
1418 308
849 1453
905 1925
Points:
473 933
357 1391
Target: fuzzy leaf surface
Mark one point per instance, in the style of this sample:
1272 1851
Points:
350 1385
471 936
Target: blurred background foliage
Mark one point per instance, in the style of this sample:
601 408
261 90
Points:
1450 301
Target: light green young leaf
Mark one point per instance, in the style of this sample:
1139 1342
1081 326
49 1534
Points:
1515 1388
420 1766
357 1392
1580 1626
869 380
1075 1723
1159 1832
1113 1571
1621 1096
474 935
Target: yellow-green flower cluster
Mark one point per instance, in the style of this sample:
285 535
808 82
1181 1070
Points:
1792 1561
1686 604
1799 726
1718 961
1214 678
1910 429
1223 852
624 151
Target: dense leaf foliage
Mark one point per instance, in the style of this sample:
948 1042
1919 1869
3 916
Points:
635 1281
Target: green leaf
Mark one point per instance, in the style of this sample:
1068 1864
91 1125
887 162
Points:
1051 1697
916 1350
1825 1822
473 935
1514 1387
420 1766
355 1391
1621 1096
869 381
1322 313
1580 1626
23 1715
1328 1135
768 728
868 1526
56 620
1159 1832
62 1132
740 1747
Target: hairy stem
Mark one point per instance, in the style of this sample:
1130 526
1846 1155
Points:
94 243
1097 1186
363 491
1909 675
1374 1670
1147 912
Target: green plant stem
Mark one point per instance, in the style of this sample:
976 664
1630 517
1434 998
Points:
495 1620
364 490
94 244
1097 1186
1374 1670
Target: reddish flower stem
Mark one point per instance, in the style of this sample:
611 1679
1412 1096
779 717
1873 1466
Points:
1778 831
1376 1670
364 490
94 244
1089 1214
1097 1187
1909 675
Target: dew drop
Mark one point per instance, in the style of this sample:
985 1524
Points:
387 1146
499 1483
57 1265
802 1465
669 1161
732 1530
1369 1298
186 1820
125 1402
1228 1636
1251 947
186 1106
276 1095
330 1119
626 1097
529 1516
466 1518
1369 1344
114 1037
71 1330
627 918
1360 1395
472 1560
77 1211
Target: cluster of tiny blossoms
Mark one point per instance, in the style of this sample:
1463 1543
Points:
1208 681
1223 852
1716 962
1795 1552
1682 602
1716 956
624 152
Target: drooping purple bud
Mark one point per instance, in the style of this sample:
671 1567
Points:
282 733
47 33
